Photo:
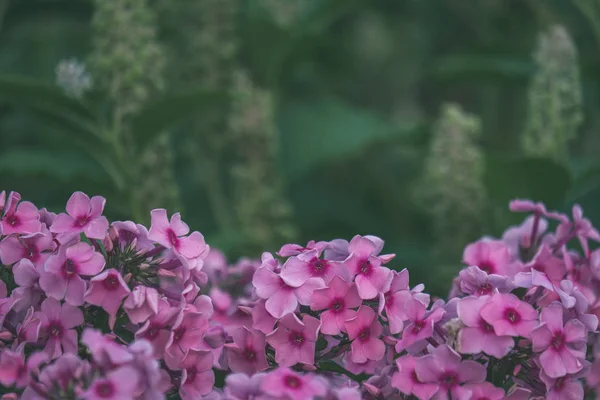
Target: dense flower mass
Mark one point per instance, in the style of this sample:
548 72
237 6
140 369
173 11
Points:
97 310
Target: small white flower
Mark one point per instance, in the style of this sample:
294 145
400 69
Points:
73 78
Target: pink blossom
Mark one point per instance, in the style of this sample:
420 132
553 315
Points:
247 352
132 234
198 378
57 326
421 323
35 247
518 237
23 218
281 298
544 270
520 205
61 278
478 335
562 347
240 386
364 330
157 329
107 290
283 383
394 300
28 331
187 334
564 388
104 349
491 256
83 215
262 320
370 277
28 293
338 300
141 304
119 384
444 368
294 340
407 381
172 235
478 283
15 370
298 269
509 316
484 391
288 250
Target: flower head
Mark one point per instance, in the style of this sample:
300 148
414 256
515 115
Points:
364 330
284 383
83 215
294 340
338 300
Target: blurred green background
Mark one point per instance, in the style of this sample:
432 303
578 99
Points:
270 121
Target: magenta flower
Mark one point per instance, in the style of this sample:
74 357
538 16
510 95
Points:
57 326
157 329
562 347
118 384
298 269
35 247
83 215
394 301
23 218
283 383
365 330
485 391
198 378
478 335
187 334
509 316
141 304
338 300
444 368
370 277
107 290
407 381
294 340
281 298
421 323
491 256
15 370
28 293
172 235
61 276
247 352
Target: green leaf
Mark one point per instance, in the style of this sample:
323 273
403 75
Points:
537 179
321 131
169 110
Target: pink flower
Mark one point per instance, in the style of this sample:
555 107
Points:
294 340
107 290
171 235
444 368
407 381
478 335
83 215
28 293
240 386
544 270
394 300
282 298
15 369
338 300
283 383
562 347
288 250
370 277
61 276
118 384
262 320
33 247
247 352
365 330
509 316
141 304
484 391
421 323
298 269
564 388
198 378
157 329
491 256
104 349
478 283
57 326
187 334
23 218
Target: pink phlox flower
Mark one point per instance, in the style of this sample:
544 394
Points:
22 218
544 270
141 304
394 300
197 378
519 237
65 371
338 300
562 347
520 205
283 383
477 335
444 368
407 381
421 323
28 330
262 320
84 215
29 293
364 330
107 290
61 277
130 234
46 217
281 298
187 334
118 384
57 327
491 256
568 387
35 247
239 386
484 391
509 316
104 349
202 304
16 369
294 340
298 269
172 235
157 329
380 383
288 250
570 295
152 381
215 266
364 265
247 352
584 229
476 282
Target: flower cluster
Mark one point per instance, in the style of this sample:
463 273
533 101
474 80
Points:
97 310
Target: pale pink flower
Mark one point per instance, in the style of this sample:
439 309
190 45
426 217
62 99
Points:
28 331
394 301
364 330
187 334
118 384
288 250
491 256
83 215
141 304
567 387
35 247
370 277
476 282
283 383
28 293
421 323
15 369
544 270
57 326
261 318
23 218
107 290
407 381
509 316
240 386
294 340
157 329
247 352
338 300
298 269
478 335
197 377
104 349
563 347
131 234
